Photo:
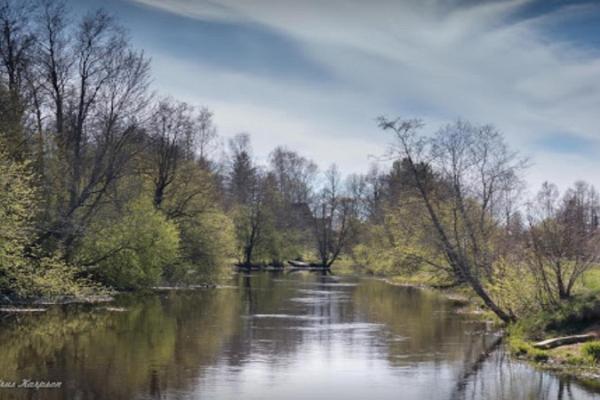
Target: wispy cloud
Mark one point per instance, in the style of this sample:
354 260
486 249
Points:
503 62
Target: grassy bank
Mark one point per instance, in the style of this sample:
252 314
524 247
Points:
580 315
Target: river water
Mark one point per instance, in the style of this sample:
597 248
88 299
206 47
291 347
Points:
264 336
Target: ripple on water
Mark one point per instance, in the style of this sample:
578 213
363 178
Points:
334 284
317 300
352 326
284 316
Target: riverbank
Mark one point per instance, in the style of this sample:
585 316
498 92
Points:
578 361
570 360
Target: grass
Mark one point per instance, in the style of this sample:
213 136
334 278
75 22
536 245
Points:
521 348
591 350
591 280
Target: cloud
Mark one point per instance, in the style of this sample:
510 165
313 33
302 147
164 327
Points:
492 61
569 144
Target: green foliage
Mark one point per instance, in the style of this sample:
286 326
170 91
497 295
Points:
591 350
17 209
515 288
519 347
397 246
577 313
569 318
133 251
25 272
207 243
591 280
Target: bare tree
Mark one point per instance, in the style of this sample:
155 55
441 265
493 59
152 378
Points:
97 87
254 219
477 170
207 137
17 41
295 175
171 134
333 214
564 238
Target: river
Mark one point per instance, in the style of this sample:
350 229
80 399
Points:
268 336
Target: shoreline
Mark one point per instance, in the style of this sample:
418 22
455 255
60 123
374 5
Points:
8 305
548 361
516 346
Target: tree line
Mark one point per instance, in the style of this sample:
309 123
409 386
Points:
107 184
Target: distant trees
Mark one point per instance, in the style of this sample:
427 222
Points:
294 175
563 238
207 137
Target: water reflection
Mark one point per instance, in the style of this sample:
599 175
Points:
270 336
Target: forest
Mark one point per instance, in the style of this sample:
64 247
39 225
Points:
107 185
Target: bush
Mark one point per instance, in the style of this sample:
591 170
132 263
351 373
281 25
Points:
132 252
26 273
581 311
591 350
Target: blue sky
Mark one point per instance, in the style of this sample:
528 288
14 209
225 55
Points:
314 74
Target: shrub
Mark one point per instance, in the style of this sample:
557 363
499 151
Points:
132 252
591 350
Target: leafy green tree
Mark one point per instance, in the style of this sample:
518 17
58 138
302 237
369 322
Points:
207 243
131 252
481 173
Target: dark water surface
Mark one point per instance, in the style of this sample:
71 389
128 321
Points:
288 336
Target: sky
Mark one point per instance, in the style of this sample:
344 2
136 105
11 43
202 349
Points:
313 75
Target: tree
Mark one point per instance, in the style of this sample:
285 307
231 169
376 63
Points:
17 41
294 175
563 238
96 85
251 219
333 215
207 137
478 170
132 252
171 135
242 172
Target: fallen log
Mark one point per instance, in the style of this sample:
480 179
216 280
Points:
565 340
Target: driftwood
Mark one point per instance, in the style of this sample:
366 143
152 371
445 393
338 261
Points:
562 341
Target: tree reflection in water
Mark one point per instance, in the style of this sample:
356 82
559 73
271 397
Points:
270 336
